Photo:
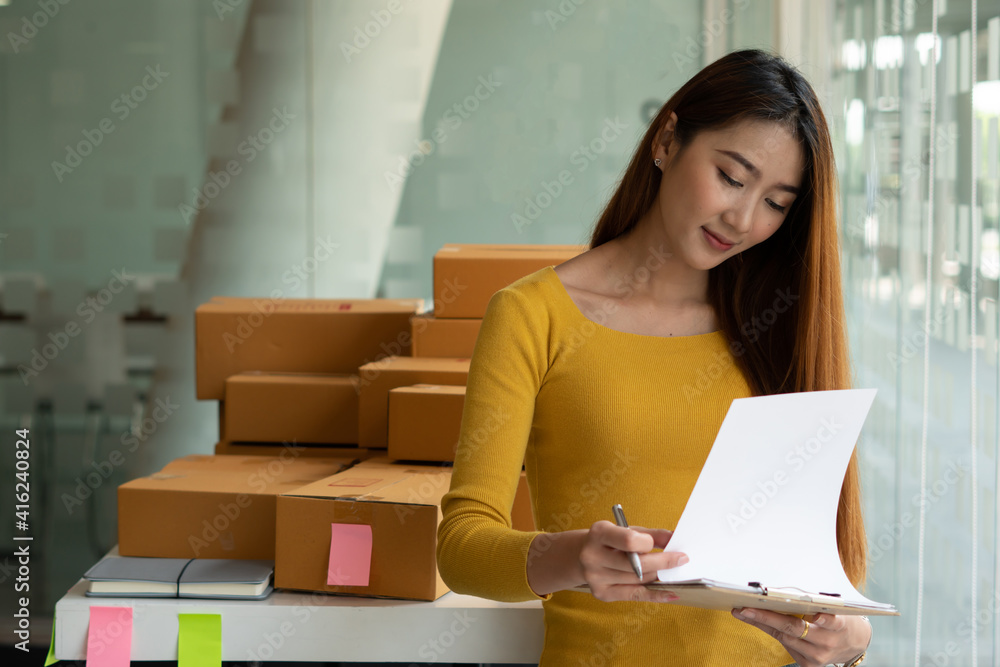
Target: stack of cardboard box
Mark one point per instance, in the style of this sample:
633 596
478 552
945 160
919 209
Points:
286 370
213 506
338 421
425 414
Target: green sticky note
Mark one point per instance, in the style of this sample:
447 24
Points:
51 657
199 640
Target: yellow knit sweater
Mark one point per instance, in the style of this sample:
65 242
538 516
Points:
598 417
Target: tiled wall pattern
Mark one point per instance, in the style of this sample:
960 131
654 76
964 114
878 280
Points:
153 155
103 114
237 172
543 91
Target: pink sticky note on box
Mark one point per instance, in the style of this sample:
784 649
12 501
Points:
109 637
350 554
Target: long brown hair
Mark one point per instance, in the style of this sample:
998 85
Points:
804 349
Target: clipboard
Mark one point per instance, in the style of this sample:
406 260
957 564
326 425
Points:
709 594
774 474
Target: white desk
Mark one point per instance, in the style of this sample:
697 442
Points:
319 627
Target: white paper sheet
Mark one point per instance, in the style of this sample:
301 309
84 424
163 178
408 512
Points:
764 507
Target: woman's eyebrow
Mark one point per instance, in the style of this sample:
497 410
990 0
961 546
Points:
752 168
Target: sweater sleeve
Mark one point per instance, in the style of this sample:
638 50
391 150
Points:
478 552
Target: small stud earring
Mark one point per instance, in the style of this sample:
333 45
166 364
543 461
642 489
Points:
657 162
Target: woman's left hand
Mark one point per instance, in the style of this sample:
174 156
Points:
830 638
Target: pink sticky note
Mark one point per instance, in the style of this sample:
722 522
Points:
350 555
109 638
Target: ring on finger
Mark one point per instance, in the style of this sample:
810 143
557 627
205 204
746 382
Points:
805 631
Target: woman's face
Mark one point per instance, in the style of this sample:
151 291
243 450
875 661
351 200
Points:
727 190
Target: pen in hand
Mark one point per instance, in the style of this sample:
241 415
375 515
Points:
632 556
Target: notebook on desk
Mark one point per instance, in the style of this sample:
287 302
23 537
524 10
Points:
217 578
226 578
760 526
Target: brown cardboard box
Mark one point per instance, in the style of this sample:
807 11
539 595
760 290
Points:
308 451
295 336
466 275
290 460
520 515
222 420
424 425
424 422
212 506
215 463
400 502
292 407
379 377
443 337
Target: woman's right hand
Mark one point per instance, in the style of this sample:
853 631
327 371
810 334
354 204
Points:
598 557
607 569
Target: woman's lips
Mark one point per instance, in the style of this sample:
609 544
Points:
715 241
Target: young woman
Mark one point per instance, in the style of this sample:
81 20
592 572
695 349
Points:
609 375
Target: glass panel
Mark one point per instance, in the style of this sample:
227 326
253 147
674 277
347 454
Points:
886 146
155 156
526 133
320 149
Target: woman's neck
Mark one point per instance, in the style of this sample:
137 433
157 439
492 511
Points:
644 258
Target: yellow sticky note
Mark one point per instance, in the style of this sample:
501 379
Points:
199 640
